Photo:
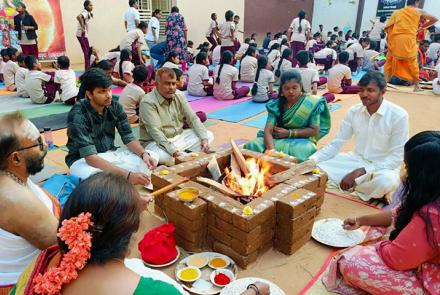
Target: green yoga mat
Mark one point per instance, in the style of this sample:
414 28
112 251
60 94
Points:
47 110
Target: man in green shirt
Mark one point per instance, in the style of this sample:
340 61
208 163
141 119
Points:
91 125
162 113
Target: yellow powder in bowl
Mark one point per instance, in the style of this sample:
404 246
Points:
218 263
188 274
188 194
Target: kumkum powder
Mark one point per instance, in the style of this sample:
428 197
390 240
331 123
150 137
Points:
222 279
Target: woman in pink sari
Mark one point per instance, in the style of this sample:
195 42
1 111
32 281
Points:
409 262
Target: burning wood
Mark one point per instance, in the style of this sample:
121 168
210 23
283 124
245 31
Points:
218 186
239 158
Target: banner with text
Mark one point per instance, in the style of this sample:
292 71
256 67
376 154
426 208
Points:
387 7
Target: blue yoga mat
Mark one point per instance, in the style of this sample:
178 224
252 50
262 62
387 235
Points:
359 75
239 112
260 122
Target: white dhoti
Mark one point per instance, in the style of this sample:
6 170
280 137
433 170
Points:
374 185
188 140
122 158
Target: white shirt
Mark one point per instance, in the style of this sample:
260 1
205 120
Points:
111 55
9 72
383 45
266 77
323 53
131 16
170 65
368 55
132 36
355 48
15 252
34 85
273 56
377 29
228 75
433 51
129 99
296 35
336 74
197 73
351 41
154 23
127 68
285 65
212 26
310 44
67 79
248 69
226 35
216 55
379 138
272 43
242 50
309 76
20 77
87 16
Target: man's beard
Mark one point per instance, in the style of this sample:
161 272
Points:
35 164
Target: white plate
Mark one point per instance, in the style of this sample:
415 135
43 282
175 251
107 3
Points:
166 264
239 286
329 231
206 273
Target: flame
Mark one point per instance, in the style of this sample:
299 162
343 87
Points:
254 183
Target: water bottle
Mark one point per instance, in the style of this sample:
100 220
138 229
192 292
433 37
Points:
48 137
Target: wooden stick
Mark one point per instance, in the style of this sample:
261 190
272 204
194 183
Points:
169 187
218 186
239 157
235 168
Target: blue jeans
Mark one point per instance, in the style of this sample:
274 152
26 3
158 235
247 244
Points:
150 45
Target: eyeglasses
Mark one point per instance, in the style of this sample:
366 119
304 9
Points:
40 144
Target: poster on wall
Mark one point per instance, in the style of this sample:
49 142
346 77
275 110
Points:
387 7
47 14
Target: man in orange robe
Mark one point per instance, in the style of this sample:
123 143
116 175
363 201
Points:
402 29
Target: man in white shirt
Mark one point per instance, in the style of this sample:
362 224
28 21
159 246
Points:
132 17
153 31
380 131
27 220
434 50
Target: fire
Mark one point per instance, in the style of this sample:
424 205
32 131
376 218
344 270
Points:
252 184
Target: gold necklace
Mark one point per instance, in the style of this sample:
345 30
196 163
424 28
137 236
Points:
13 177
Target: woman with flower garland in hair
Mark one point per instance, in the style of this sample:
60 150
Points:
95 232
409 262
296 121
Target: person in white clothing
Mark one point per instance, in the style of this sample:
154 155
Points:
436 82
377 30
434 50
216 56
310 77
123 68
132 18
153 32
212 34
198 77
67 79
282 64
172 61
133 93
134 41
20 77
274 53
39 85
326 56
243 48
380 131
248 65
356 54
262 90
299 33
82 31
10 69
370 54
227 33
27 221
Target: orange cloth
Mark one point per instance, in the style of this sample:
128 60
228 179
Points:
402 44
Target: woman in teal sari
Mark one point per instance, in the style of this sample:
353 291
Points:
296 121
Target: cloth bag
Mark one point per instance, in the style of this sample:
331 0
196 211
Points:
159 245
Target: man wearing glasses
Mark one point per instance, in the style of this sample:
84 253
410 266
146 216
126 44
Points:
28 218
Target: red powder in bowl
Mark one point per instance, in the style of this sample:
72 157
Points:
222 279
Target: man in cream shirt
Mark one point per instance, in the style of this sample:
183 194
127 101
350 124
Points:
380 131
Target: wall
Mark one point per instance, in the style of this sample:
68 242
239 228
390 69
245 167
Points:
433 7
106 29
331 13
198 15
262 16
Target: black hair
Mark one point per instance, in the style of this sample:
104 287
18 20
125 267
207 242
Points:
424 42
249 52
355 35
262 64
334 37
253 35
175 9
364 33
11 51
268 34
303 57
277 35
340 33
274 47
373 76
411 2
247 40
190 43
301 15
213 14
365 40
95 78
329 44
383 18
142 25
9 140
63 62
226 59
343 57
86 3
115 207
172 54
201 57
140 74
30 61
4 52
21 57
287 76
131 3
421 189
156 12
21 4
335 29
383 35
229 15
179 73
316 35
373 45
285 55
104 65
284 42
125 56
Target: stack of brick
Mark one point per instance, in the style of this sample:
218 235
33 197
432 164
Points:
296 214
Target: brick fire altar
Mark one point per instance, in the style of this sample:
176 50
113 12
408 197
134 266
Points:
281 218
